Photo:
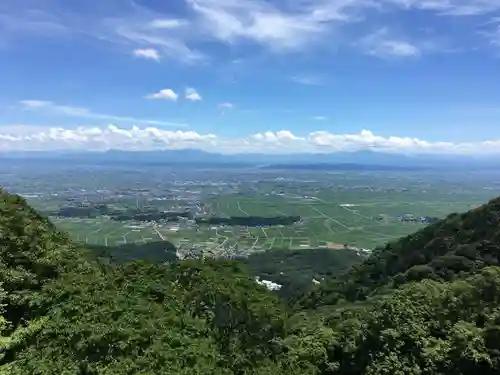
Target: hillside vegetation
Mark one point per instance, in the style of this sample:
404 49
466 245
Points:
295 270
64 312
444 251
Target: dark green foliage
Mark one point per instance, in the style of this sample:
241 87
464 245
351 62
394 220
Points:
64 313
32 254
250 221
154 252
454 247
132 214
150 216
427 328
142 318
296 269
428 304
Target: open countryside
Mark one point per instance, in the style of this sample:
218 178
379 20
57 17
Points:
358 211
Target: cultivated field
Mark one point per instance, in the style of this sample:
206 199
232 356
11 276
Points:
354 209
330 221
106 232
356 221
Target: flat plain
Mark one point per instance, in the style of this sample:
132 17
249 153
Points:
357 210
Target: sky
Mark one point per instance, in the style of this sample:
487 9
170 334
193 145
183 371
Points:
271 76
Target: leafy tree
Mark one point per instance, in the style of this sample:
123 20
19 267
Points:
453 248
428 304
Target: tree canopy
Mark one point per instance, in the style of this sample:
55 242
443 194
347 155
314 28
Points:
446 250
427 304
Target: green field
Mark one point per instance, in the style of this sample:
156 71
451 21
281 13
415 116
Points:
358 209
106 232
327 221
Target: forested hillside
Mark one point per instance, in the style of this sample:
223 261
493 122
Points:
64 312
444 251
297 271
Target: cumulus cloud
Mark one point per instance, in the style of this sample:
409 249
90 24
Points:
192 95
284 141
165 94
49 108
148 53
102 138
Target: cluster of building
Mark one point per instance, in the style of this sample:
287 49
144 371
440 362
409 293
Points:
414 219
268 284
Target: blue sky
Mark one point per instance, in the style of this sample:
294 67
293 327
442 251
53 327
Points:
268 75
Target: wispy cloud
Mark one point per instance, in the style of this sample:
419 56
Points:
309 79
148 53
171 42
223 107
165 94
265 23
278 26
54 109
284 141
192 95
319 118
493 33
19 22
168 23
461 8
382 44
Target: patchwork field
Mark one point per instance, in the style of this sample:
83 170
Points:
327 221
106 232
330 221
357 209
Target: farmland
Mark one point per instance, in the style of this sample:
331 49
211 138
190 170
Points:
336 211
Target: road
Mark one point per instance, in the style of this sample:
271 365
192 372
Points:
159 233
241 209
331 218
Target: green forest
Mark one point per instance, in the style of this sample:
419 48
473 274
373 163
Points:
426 304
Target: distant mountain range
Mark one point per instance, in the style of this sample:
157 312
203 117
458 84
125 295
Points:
339 160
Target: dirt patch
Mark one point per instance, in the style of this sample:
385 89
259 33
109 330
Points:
336 246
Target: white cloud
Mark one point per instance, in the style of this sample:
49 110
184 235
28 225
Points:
192 94
168 23
37 103
24 22
96 138
225 106
309 79
450 7
51 108
172 43
284 141
263 22
382 44
274 24
319 118
148 53
493 35
165 94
